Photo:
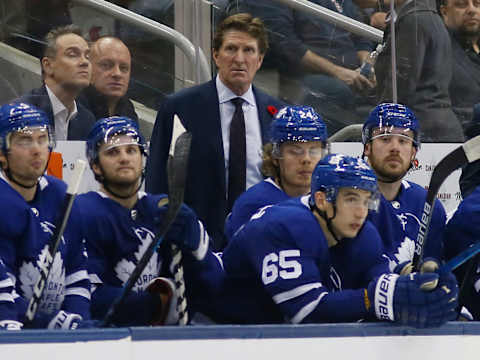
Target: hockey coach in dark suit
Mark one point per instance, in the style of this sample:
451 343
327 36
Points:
229 121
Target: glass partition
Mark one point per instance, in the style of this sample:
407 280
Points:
310 61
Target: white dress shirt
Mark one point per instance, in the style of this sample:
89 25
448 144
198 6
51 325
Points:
252 130
61 116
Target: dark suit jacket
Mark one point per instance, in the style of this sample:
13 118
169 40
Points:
199 111
96 103
78 128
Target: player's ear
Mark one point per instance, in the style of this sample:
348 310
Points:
320 200
414 153
96 168
367 149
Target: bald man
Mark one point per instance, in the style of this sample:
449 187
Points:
111 64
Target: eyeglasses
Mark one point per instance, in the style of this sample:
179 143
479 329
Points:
293 151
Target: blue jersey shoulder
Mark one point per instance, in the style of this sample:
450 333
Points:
463 228
264 193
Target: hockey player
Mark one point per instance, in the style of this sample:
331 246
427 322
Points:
29 204
463 230
120 222
315 259
298 140
391 138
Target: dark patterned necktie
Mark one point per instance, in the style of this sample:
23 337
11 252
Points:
237 160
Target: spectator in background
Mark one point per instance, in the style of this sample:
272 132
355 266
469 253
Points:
207 111
66 71
424 69
323 56
298 140
111 65
462 18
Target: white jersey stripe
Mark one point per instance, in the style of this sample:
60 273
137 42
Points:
95 279
200 253
6 283
78 291
7 297
298 291
76 276
307 309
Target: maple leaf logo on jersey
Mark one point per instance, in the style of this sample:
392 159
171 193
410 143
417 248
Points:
124 267
54 292
404 253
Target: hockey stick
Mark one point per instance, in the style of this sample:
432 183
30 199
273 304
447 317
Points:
467 153
46 266
460 259
177 173
176 262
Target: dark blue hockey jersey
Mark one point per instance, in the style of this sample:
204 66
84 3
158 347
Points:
280 268
398 223
25 231
116 239
264 193
8 310
463 229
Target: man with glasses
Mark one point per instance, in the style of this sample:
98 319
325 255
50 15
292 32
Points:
316 259
298 140
30 203
391 138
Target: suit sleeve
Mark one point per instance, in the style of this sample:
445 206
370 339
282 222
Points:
156 174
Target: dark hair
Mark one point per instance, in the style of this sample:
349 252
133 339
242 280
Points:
243 22
50 48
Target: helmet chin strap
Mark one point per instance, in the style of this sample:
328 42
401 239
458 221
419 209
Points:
328 220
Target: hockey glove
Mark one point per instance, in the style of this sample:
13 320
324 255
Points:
404 300
10 325
188 233
404 268
429 265
167 313
65 321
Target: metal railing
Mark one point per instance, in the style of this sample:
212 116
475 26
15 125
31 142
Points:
162 31
349 24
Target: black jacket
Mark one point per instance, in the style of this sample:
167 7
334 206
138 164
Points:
97 104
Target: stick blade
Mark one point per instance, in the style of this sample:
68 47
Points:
178 166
